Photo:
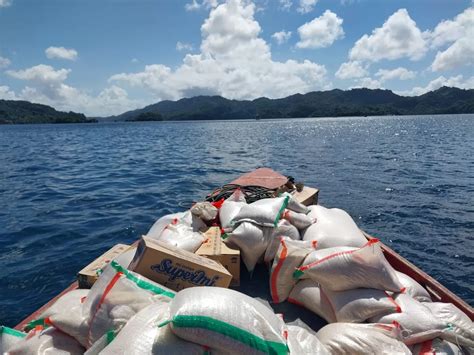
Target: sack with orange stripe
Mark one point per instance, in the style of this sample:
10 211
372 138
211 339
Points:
436 346
340 269
413 288
227 321
290 255
283 229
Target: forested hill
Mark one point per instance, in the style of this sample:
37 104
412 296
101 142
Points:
333 103
26 112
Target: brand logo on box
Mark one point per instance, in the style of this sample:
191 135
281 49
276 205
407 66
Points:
173 272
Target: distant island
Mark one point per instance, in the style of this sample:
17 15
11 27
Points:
23 112
332 103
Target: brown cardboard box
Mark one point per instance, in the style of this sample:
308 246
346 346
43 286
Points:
88 275
214 248
176 268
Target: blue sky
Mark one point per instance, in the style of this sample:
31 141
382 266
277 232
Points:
104 57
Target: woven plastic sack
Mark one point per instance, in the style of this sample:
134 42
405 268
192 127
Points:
364 267
45 342
436 346
290 255
352 339
70 300
143 335
204 210
265 212
283 229
228 321
252 240
333 228
182 236
125 295
294 204
308 294
303 340
185 217
299 220
413 288
360 304
9 337
230 208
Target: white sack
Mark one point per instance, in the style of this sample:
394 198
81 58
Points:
265 212
352 339
227 320
365 267
359 304
185 217
69 300
333 228
436 346
308 294
204 210
303 340
230 208
252 240
9 337
299 220
45 342
294 204
283 229
181 236
413 288
290 255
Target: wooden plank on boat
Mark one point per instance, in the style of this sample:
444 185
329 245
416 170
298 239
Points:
264 177
309 196
438 292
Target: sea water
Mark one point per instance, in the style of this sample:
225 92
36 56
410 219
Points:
70 192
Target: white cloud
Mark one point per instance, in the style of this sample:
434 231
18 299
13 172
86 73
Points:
321 32
368 83
5 3
398 73
7 94
399 37
61 53
182 46
286 4
233 62
43 74
306 6
460 33
134 60
282 36
4 62
196 5
453 81
351 70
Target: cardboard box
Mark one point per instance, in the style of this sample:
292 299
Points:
176 268
214 248
88 275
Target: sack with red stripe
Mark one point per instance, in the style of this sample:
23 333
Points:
303 340
299 220
231 207
333 228
283 229
339 269
290 255
9 337
413 288
358 305
265 212
228 321
46 341
437 346
353 339
308 294
143 335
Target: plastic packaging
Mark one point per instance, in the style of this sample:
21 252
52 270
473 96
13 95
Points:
352 339
308 294
265 212
185 217
299 220
180 235
204 210
9 337
228 321
252 240
230 208
283 229
303 340
290 255
333 228
365 267
413 288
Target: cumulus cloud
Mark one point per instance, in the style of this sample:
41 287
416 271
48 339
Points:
7 94
368 83
286 4
5 3
459 33
399 37
196 5
351 70
453 81
398 73
321 32
233 62
4 62
282 36
183 46
61 53
306 6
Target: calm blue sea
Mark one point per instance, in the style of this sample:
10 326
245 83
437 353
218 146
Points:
69 192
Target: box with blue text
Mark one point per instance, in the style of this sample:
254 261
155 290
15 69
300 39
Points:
176 268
